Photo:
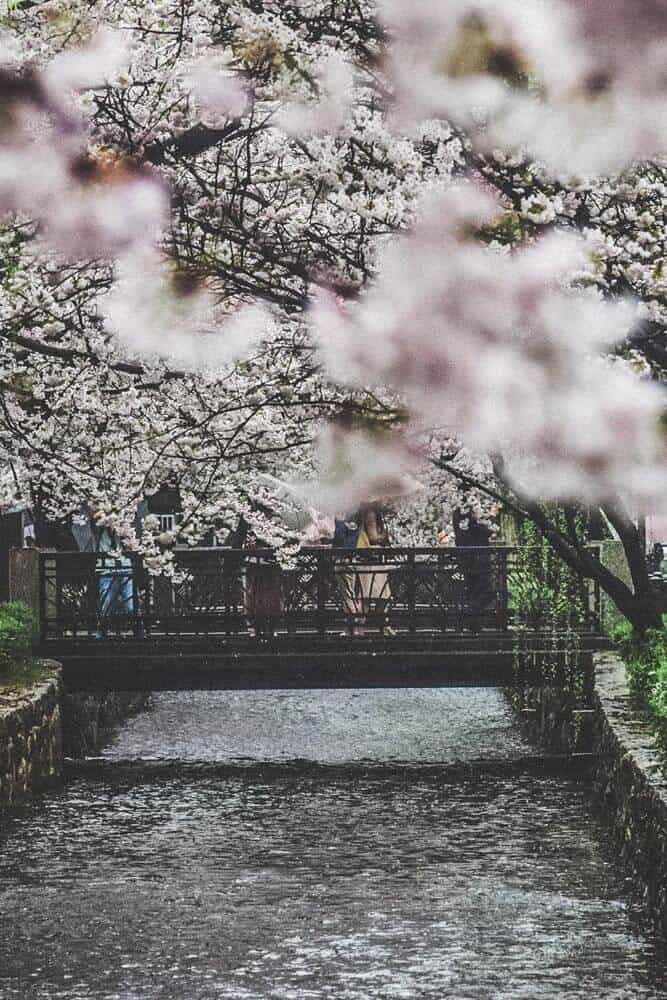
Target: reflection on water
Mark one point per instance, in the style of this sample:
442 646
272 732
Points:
348 884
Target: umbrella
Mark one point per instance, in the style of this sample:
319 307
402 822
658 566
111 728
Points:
403 485
300 516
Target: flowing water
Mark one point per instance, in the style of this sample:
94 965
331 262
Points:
297 845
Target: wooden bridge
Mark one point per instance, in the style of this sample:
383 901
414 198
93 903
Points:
235 619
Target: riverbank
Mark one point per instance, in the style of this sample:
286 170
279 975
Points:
31 735
89 720
41 724
628 770
630 785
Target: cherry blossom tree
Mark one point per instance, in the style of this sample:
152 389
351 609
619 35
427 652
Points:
227 225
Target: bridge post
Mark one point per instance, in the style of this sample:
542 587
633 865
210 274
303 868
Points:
321 563
412 592
596 598
139 612
503 603
588 668
25 582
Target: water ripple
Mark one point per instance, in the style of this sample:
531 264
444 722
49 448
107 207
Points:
333 882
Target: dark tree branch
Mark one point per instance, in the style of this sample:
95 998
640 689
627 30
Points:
641 607
191 143
69 354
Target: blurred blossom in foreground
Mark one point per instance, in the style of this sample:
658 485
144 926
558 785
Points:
626 42
169 316
354 466
333 88
216 88
498 347
580 84
598 440
105 210
89 66
88 204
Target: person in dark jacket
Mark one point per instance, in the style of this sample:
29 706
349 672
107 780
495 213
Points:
476 566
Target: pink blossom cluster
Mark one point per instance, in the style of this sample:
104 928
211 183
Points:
267 158
580 85
498 347
156 317
90 201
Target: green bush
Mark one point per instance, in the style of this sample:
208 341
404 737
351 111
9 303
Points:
646 662
18 632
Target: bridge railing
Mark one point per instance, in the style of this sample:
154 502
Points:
235 592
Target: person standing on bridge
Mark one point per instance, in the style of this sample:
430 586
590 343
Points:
366 590
476 564
263 587
374 581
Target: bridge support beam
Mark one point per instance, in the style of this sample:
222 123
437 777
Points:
267 671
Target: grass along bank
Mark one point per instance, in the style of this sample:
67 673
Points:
18 667
645 659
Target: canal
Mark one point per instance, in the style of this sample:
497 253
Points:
298 845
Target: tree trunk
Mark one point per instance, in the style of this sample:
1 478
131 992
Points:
643 604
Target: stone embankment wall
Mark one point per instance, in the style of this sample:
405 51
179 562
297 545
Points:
31 744
553 718
90 719
627 773
41 725
629 784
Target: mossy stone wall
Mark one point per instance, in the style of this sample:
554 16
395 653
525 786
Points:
31 743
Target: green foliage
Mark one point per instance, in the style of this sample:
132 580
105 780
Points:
542 588
646 663
621 634
545 593
18 632
7 13
507 230
23 674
